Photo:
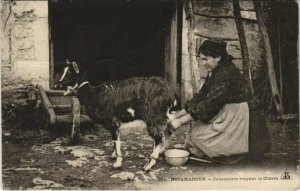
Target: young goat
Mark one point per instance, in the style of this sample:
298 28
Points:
113 104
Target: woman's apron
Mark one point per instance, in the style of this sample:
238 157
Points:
225 135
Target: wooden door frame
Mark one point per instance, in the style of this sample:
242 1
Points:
51 49
172 67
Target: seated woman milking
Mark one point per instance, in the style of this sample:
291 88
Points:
219 110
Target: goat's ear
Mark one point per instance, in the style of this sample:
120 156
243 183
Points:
75 66
68 61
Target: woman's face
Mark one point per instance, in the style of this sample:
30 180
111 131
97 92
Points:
209 62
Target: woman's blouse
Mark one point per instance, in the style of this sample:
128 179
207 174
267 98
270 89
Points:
225 85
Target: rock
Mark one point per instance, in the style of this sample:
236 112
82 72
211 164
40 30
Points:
159 170
44 184
141 156
136 179
78 162
24 169
104 163
124 175
140 172
152 175
42 172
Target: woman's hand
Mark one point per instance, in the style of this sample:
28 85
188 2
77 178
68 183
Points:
174 115
176 123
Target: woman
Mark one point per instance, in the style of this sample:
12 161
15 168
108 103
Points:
219 109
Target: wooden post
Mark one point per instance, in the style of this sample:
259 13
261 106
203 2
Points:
269 57
279 57
48 106
190 18
76 120
51 46
172 45
243 43
55 92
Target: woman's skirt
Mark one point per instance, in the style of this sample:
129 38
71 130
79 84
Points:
227 134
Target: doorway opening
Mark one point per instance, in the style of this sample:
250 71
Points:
143 35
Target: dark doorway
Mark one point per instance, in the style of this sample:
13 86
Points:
133 32
283 29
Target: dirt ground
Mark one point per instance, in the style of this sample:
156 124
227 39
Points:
35 158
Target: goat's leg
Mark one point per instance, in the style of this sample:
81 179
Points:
155 154
166 139
114 136
117 143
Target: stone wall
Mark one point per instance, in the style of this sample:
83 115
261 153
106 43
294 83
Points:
215 19
25 42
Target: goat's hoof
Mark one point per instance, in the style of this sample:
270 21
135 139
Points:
149 165
117 166
162 150
118 163
113 155
75 140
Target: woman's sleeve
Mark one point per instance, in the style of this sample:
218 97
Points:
208 107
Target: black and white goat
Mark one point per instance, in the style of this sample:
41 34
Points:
116 103
111 69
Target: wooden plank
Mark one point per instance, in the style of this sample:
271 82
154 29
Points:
66 108
68 119
269 57
60 100
13 91
48 106
243 43
55 92
76 119
14 94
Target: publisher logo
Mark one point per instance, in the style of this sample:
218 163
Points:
286 175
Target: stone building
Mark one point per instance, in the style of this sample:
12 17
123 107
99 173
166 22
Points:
157 37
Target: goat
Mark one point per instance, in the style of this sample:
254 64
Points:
116 103
111 69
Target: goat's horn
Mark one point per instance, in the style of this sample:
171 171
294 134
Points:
169 115
175 103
